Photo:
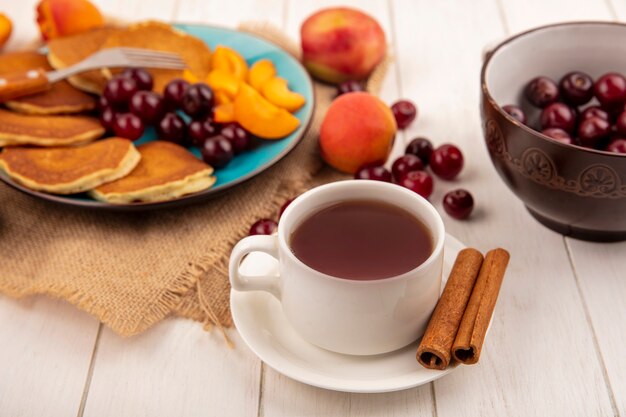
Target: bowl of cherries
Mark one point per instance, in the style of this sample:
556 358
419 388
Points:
553 106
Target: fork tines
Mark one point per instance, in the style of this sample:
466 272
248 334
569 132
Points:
150 58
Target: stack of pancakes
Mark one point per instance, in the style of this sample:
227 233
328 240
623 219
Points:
52 141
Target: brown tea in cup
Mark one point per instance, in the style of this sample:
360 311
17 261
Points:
362 240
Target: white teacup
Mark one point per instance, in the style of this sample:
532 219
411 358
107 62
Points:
343 315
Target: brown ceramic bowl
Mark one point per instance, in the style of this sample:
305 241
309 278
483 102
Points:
575 191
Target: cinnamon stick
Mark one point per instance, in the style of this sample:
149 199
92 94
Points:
473 328
434 351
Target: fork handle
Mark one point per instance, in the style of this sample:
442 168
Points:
22 83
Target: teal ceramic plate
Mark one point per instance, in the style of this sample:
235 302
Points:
243 166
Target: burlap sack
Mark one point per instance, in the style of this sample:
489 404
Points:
131 270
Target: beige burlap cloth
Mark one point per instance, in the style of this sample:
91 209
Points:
131 270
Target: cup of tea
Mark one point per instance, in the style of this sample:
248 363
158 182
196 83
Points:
359 265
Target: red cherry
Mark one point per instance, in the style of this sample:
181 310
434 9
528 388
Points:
620 123
284 207
128 125
118 92
405 112
617 146
238 137
201 130
418 181
102 104
541 91
349 86
217 151
610 90
198 100
593 131
107 118
558 115
148 106
576 88
142 78
593 111
174 92
263 227
558 135
376 173
446 161
458 203
404 164
515 112
172 127
420 147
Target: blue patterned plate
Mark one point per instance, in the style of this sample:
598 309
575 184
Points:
243 166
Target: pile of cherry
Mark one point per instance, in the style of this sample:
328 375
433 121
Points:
409 170
128 105
600 125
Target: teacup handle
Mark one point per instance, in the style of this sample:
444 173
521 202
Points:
241 282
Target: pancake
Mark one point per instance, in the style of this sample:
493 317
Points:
20 129
68 50
163 37
166 171
60 98
69 170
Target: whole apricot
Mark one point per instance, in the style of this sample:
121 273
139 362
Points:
358 130
6 27
57 18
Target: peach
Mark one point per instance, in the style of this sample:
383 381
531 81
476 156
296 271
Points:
340 44
358 129
260 72
277 92
260 117
57 18
230 61
225 82
6 27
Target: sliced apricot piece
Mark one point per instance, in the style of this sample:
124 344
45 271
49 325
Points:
220 80
261 71
190 76
260 117
221 97
6 27
229 60
224 113
277 92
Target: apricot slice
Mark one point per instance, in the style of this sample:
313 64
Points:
260 117
221 97
190 76
224 113
229 60
277 92
57 18
260 72
220 80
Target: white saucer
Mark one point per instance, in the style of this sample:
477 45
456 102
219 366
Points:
259 319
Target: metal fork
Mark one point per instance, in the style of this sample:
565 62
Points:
22 83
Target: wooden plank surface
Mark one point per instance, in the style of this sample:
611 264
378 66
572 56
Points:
555 343
46 347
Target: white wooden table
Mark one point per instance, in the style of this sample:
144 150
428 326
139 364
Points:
556 347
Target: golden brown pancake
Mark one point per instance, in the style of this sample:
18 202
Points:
69 170
69 50
163 37
60 98
20 129
166 171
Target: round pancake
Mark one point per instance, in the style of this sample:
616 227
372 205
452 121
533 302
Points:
165 171
20 129
163 37
60 98
69 170
68 50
